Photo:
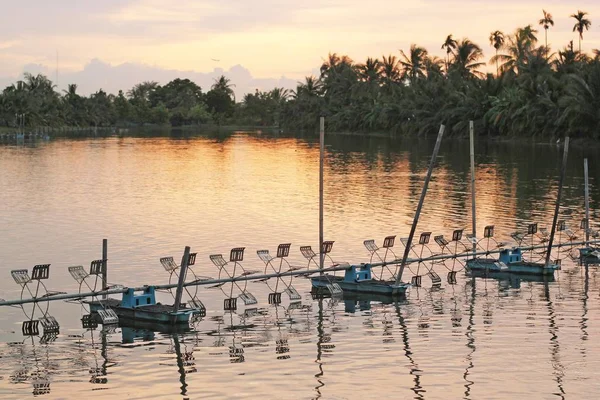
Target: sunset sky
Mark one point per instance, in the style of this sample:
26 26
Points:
269 38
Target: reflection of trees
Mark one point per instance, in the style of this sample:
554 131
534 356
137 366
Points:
415 371
559 368
470 334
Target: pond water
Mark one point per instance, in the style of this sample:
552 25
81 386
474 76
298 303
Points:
151 197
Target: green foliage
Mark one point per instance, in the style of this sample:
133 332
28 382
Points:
534 92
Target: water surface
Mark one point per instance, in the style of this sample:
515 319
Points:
150 197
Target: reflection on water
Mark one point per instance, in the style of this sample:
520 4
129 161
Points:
472 338
414 346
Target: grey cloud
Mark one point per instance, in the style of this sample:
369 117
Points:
100 75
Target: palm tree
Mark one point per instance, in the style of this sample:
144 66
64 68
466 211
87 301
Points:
466 59
434 65
518 46
370 70
527 35
449 44
333 64
546 22
223 84
497 40
568 59
311 87
414 63
390 69
581 24
597 54
71 90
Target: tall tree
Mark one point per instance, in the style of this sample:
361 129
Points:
546 22
466 59
449 44
518 46
414 62
224 85
370 70
390 70
220 99
582 24
497 40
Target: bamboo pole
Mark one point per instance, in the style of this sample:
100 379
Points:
587 201
420 206
473 209
104 265
561 179
182 274
321 159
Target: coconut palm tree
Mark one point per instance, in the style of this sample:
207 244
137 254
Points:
224 85
311 87
449 44
527 35
333 64
497 40
390 70
414 63
466 59
568 59
582 24
546 22
518 46
370 70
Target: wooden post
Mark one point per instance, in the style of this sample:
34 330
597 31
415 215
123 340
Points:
561 178
321 159
473 209
421 200
587 202
182 274
104 266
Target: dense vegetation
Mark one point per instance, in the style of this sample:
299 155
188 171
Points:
533 92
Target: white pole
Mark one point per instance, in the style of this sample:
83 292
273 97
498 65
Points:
321 158
473 209
587 202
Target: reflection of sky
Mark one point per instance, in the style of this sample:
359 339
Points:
271 38
151 197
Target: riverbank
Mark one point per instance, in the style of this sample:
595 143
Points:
168 130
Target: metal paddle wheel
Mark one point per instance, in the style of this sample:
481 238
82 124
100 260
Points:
34 286
278 265
382 255
192 291
531 238
233 270
422 268
454 249
93 282
313 258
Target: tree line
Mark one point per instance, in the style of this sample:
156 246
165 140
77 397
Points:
533 91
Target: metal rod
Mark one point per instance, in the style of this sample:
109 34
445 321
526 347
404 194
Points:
104 265
321 159
563 169
482 252
182 274
587 200
421 200
71 296
473 209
